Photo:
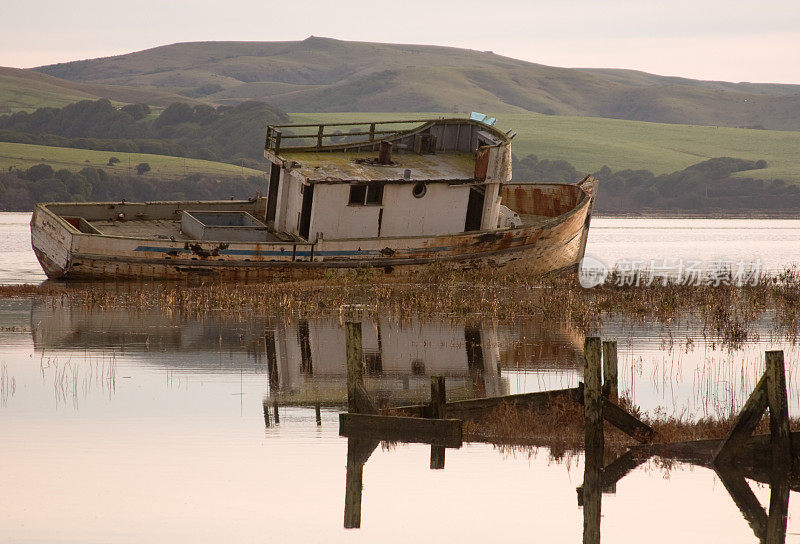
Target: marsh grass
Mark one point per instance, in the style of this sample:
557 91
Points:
726 312
560 428
74 379
8 385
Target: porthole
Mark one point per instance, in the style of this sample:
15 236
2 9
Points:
419 189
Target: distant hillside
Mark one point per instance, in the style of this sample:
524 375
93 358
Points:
326 75
25 90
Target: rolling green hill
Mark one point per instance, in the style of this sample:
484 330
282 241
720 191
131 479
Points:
589 143
23 156
25 90
326 75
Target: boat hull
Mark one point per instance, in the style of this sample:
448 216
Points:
555 241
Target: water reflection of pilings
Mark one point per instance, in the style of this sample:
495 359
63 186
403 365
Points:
302 357
738 456
364 427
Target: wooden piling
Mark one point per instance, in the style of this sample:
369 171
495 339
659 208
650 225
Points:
266 413
358 452
610 375
437 457
358 401
438 398
438 410
781 446
318 413
593 440
275 414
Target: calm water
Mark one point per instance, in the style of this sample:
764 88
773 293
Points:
123 426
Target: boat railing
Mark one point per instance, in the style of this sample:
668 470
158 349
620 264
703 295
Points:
378 130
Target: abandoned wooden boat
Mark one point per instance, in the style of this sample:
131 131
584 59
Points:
423 192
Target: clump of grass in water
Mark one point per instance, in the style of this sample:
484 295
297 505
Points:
560 428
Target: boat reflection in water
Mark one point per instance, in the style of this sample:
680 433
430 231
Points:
305 359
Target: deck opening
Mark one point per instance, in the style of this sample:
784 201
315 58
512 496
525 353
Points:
474 209
272 194
305 214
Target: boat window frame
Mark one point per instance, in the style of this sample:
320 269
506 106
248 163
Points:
366 194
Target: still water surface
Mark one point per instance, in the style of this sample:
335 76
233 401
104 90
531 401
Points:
132 426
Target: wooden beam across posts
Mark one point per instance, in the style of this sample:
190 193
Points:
622 420
594 445
442 432
744 498
477 408
610 375
358 401
745 422
438 411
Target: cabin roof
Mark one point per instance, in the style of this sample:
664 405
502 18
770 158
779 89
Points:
321 167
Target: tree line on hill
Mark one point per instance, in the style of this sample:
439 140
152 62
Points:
225 133
20 190
705 187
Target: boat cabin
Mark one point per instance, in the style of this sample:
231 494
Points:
386 179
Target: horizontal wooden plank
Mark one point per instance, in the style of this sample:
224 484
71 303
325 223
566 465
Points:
440 432
477 408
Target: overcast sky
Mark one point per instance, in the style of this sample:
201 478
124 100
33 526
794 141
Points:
705 39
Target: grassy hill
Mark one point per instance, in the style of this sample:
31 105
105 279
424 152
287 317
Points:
589 143
23 156
25 90
326 75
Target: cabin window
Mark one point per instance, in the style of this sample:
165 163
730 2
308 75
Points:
366 195
357 194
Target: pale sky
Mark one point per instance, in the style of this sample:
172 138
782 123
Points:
728 40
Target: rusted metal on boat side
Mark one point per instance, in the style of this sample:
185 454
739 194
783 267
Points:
554 239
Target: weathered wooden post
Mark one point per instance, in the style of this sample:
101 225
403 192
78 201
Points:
593 440
770 392
358 402
358 452
610 375
318 414
275 412
385 152
320 134
265 404
438 398
438 410
781 446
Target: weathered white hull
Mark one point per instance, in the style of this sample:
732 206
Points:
555 241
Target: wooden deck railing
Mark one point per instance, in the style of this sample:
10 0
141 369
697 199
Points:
376 132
